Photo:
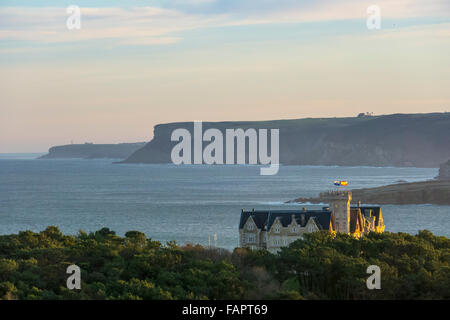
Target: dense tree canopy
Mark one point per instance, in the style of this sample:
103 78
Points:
33 266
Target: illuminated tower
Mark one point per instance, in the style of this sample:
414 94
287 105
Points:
340 205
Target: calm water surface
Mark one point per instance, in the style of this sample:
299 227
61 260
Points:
182 203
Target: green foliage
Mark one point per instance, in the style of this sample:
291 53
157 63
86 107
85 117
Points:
321 266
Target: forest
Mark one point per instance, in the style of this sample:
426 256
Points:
321 266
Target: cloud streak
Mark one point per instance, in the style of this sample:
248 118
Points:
48 25
157 25
322 9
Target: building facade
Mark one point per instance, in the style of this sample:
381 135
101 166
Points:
274 229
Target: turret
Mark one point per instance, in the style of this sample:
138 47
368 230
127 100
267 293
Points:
340 205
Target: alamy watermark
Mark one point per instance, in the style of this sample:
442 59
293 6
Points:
213 153
74 20
74 280
373 21
374 281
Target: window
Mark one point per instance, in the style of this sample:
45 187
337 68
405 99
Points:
311 228
250 238
294 229
250 226
276 229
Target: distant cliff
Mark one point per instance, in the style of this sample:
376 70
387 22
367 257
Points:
411 140
93 151
423 192
444 171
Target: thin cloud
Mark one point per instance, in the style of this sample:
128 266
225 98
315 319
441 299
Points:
157 25
48 25
338 9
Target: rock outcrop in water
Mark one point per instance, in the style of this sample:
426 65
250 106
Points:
402 140
93 151
424 192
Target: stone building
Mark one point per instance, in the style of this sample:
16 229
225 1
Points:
274 229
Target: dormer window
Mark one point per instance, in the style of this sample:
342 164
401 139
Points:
276 229
250 226
294 229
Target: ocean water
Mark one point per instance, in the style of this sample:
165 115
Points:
188 204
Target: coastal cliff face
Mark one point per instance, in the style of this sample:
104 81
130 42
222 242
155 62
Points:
406 140
444 171
93 151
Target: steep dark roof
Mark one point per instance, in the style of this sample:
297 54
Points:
365 210
266 218
354 219
260 218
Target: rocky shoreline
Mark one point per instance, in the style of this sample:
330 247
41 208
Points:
423 192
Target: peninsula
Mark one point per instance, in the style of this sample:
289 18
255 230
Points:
93 151
423 192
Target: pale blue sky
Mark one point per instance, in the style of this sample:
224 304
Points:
135 63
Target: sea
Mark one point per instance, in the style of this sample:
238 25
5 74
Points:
196 204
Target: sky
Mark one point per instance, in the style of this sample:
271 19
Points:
134 64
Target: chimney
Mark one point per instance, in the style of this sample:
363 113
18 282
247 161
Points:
302 220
